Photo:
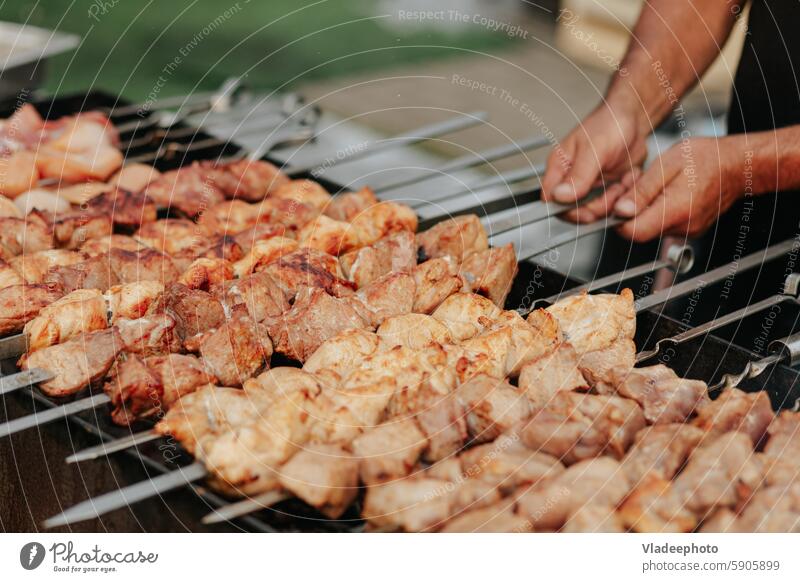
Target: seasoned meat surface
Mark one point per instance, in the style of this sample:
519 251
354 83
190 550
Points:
21 303
78 312
456 237
491 272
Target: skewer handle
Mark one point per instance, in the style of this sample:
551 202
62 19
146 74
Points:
788 348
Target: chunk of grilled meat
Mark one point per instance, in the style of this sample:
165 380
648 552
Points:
133 300
492 407
575 426
394 253
466 315
19 235
188 190
128 210
78 312
179 374
390 296
249 180
342 353
782 448
593 482
309 268
413 330
204 273
661 450
103 245
135 390
662 394
143 265
456 237
436 280
232 217
383 219
736 410
555 372
323 475
259 293
149 335
33 267
328 235
654 506
314 318
71 229
237 350
171 235
389 451
263 253
21 303
261 231
195 311
76 363
496 518
491 272
774 509
305 192
9 276
347 205
93 273
134 177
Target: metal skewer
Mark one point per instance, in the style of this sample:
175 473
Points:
97 506
791 292
107 448
245 506
467 161
412 137
783 350
52 414
23 379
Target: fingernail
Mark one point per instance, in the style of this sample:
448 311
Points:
625 207
564 192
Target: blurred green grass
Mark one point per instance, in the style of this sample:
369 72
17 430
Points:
127 45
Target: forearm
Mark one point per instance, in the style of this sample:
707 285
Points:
766 161
672 45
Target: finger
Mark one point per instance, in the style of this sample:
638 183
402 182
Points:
663 215
558 163
647 186
577 182
603 205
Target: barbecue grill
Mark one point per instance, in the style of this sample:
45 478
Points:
706 356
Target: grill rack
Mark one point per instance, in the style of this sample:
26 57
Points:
706 358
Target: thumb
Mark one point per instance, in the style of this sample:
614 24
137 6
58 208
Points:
578 180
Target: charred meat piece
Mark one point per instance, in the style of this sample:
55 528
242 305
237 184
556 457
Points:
261 231
236 350
456 237
33 267
555 372
78 312
171 235
383 219
577 426
128 210
435 280
93 273
259 293
72 229
179 375
736 410
133 300
188 190
550 503
264 253
389 451
328 235
289 213
594 322
492 407
491 272
149 335
323 475
249 180
77 363
466 315
19 235
144 265
414 331
390 296
135 390
305 192
314 318
204 273
309 268
661 450
347 205
721 472
232 217
664 397
21 303
391 254
194 311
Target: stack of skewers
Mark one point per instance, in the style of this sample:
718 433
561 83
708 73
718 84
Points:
299 344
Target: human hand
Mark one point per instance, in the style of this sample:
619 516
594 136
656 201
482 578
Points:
685 190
